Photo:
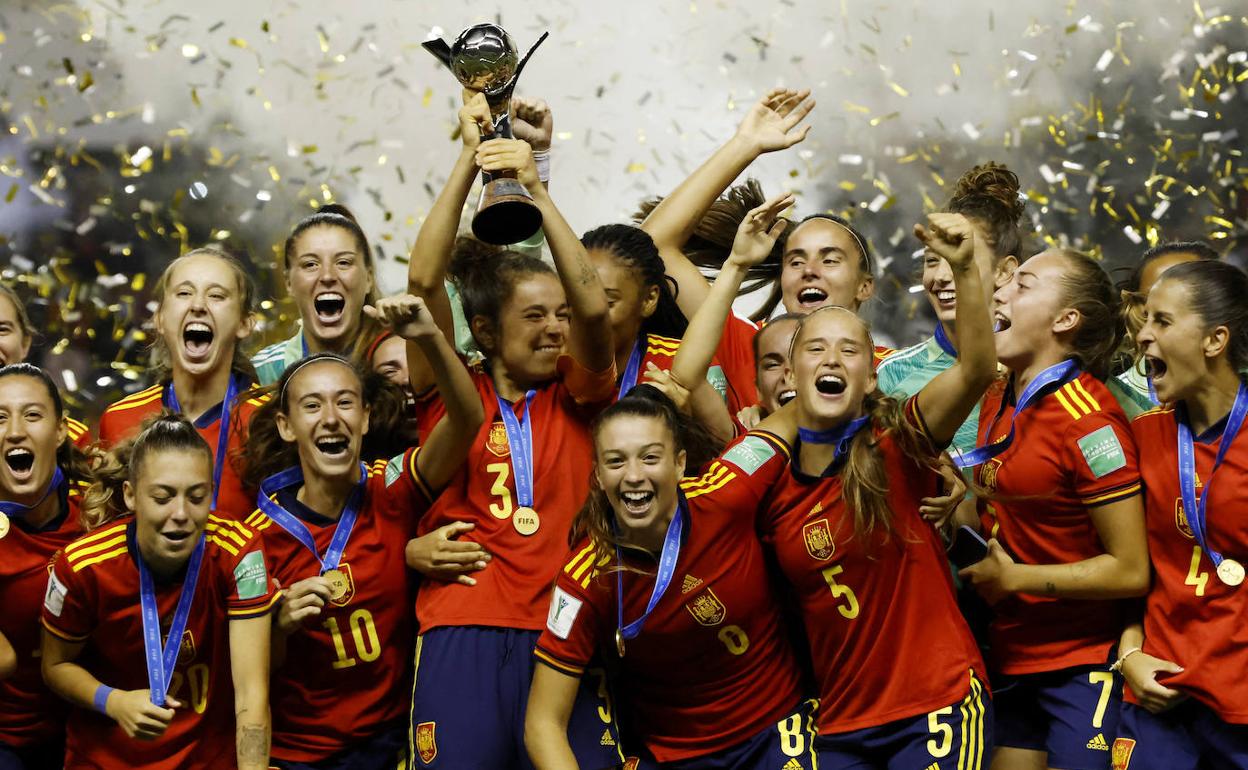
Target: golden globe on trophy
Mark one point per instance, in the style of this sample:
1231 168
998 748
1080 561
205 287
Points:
484 58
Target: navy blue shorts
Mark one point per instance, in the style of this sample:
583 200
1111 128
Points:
471 694
786 745
1189 736
50 756
1071 714
385 751
956 737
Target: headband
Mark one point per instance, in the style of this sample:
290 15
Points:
314 359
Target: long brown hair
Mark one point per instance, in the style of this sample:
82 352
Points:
161 359
596 519
864 477
103 501
1086 287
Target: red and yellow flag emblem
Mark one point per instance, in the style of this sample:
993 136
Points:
707 609
426 744
1120 756
818 538
496 441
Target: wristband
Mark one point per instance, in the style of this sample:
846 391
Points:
1123 659
100 701
542 159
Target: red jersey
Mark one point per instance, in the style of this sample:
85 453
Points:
1193 618
30 713
886 638
79 433
514 590
122 420
1072 451
661 351
348 672
712 666
93 597
878 354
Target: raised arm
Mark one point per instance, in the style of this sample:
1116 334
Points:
431 254
589 336
447 446
946 401
771 124
249 669
756 235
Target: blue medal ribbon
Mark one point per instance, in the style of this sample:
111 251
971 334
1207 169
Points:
18 510
520 442
629 380
840 436
162 660
223 435
1187 467
297 529
667 568
303 340
943 340
1058 374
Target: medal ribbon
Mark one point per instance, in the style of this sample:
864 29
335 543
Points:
1058 374
520 442
223 435
840 436
1187 467
17 510
943 340
629 380
297 529
667 568
161 661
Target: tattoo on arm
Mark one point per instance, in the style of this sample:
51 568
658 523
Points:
1050 589
253 746
588 274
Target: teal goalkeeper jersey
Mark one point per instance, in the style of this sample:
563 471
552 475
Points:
905 372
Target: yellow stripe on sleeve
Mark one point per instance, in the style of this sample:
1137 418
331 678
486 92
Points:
80 566
1075 398
94 537
96 547
575 560
1066 405
557 665
1096 406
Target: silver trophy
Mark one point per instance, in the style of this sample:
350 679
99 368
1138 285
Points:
484 58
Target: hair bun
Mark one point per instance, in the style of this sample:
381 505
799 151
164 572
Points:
990 183
471 258
339 209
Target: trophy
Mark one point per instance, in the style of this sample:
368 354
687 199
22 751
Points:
484 58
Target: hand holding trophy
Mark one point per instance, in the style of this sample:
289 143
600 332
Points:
484 58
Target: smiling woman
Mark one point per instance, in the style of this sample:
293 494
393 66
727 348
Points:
204 312
329 275
176 704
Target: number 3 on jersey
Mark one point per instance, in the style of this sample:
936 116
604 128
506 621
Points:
501 471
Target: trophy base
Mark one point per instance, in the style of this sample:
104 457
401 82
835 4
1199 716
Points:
506 213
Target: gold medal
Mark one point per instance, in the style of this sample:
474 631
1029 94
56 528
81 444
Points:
337 584
619 642
4 525
1231 572
526 521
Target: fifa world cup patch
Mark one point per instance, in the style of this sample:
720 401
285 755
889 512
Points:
54 598
750 454
426 742
719 381
1102 452
250 576
564 607
394 469
1120 756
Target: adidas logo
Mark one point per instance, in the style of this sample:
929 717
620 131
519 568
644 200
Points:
933 766
792 764
1098 743
607 740
691 583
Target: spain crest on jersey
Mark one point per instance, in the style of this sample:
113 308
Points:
1180 519
707 609
1120 755
818 538
496 441
342 586
426 743
988 474
186 651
